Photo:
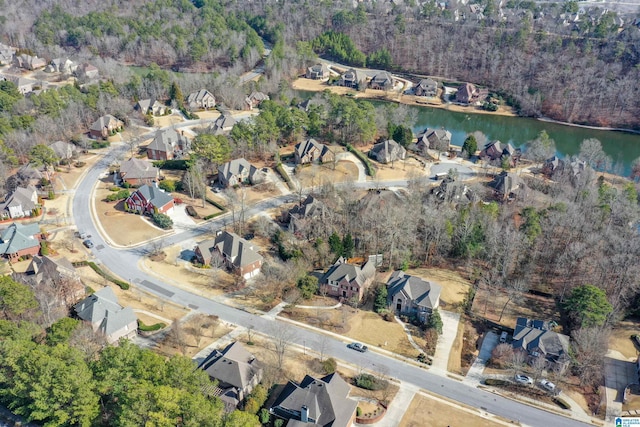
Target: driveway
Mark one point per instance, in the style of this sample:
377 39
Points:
362 175
464 172
488 344
181 219
618 373
450 323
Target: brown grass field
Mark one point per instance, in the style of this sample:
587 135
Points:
440 414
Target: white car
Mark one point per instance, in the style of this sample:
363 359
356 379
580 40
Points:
547 385
523 379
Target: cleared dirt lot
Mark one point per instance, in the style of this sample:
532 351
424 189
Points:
403 169
440 414
454 287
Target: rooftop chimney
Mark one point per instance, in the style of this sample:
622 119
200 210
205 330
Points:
304 414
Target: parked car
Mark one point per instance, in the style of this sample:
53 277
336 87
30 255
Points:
88 243
523 379
547 385
358 347
81 235
503 337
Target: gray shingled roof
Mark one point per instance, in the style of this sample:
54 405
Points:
165 140
21 196
309 207
154 195
341 270
138 169
239 251
234 366
17 237
326 399
103 122
236 167
103 311
421 292
304 147
536 335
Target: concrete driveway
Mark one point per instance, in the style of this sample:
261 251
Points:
450 323
488 344
618 373
464 172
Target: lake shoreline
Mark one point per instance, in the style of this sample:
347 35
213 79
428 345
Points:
606 129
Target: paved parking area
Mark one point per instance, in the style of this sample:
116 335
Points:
618 373
464 172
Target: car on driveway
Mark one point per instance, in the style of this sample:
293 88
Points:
358 347
547 385
88 243
523 379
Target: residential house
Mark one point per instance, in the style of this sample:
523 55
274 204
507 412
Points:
507 185
309 214
452 191
22 202
434 139
20 240
201 100
318 72
427 88
351 78
412 295
319 402
255 99
87 71
536 338
378 199
106 316
223 124
28 175
388 151
382 81
236 253
150 106
168 144
63 150
237 372
60 275
348 281
469 94
6 54
63 66
149 199
553 166
24 85
138 172
495 150
239 171
28 62
105 126
310 151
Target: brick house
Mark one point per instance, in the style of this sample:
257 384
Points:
149 199
311 150
348 281
20 240
105 126
412 295
168 144
236 253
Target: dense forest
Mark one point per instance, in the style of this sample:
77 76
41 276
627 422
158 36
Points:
550 59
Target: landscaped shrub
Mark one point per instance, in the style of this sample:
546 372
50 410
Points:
120 195
150 328
264 416
329 365
168 185
284 175
212 215
495 382
369 382
44 248
561 403
358 411
172 164
163 221
123 285
363 158
216 204
256 399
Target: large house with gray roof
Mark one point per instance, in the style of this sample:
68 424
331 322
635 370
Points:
434 139
310 151
105 126
168 144
351 78
150 106
382 81
427 88
240 171
316 402
223 124
20 240
237 372
411 295
106 316
22 202
149 199
537 339
388 151
348 281
318 72
232 251
138 172
201 100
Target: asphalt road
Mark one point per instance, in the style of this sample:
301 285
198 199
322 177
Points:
123 262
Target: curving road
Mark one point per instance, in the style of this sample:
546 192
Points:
124 263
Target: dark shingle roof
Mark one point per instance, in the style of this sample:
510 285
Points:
155 195
421 292
234 366
536 335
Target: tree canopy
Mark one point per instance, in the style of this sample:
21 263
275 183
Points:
588 306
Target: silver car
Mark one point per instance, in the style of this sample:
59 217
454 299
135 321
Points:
523 379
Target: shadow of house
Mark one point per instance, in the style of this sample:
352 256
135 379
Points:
537 339
237 372
412 296
324 402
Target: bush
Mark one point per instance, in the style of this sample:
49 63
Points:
264 416
495 382
561 403
435 322
44 248
181 165
216 204
363 158
150 328
79 164
96 145
123 285
329 365
168 185
120 195
256 399
308 286
51 195
369 382
163 221
358 411
212 216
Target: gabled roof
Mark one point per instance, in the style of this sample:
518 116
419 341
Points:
382 78
427 84
199 96
434 136
236 167
537 336
385 146
309 207
62 149
46 267
349 272
154 195
234 365
224 122
23 197
506 182
326 400
104 122
421 292
138 169
319 68
103 311
258 97
304 147
17 237
165 140
237 249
